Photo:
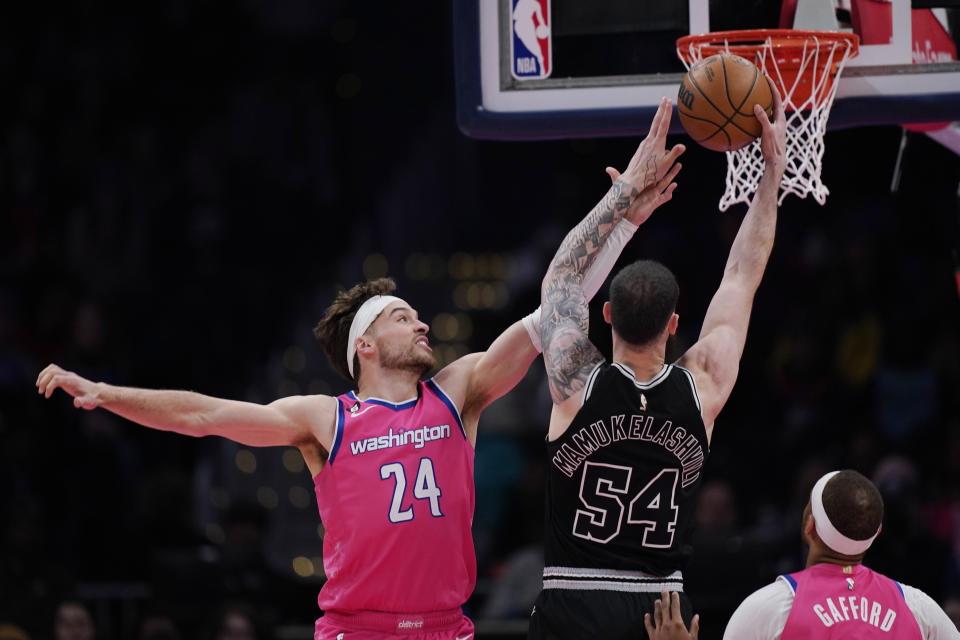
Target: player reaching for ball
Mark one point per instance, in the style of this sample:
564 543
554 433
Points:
392 461
628 439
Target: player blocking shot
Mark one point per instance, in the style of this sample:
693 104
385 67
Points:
391 460
628 439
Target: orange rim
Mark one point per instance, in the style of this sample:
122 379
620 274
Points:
786 48
752 40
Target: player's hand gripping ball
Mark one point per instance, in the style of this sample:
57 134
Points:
716 101
543 31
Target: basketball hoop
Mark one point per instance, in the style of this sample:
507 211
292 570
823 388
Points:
805 66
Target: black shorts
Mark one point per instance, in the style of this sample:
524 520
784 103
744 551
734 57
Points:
569 614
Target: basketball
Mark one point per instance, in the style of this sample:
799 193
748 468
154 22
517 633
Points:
716 101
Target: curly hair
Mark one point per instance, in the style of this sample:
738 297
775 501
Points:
333 331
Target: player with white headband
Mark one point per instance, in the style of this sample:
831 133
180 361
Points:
392 460
836 596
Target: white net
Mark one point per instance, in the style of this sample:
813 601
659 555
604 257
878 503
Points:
808 86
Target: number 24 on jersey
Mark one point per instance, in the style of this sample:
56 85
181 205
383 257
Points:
424 488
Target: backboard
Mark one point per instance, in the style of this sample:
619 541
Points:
601 68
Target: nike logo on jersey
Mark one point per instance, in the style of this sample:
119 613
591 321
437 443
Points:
466 637
339 636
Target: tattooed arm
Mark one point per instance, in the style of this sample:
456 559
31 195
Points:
645 184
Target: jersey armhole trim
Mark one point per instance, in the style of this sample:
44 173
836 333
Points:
900 589
790 582
588 388
338 438
437 389
693 387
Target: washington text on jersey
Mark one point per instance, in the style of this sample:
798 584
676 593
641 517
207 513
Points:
417 437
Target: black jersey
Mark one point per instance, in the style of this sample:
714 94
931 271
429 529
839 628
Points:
623 478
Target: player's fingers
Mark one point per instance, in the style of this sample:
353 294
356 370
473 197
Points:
675 607
613 173
664 124
664 182
657 118
45 375
777 101
648 625
665 196
51 386
665 606
770 130
49 367
657 614
671 174
675 153
769 134
695 627
761 115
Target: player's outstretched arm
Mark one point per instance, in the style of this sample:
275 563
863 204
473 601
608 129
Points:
286 422
480 378
715 359
646 183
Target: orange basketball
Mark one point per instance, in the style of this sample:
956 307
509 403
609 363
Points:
716 101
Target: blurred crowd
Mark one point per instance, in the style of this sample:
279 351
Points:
182 192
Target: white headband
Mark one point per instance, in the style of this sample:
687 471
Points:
366 314
825 529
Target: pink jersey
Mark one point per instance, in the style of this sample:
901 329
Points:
849 602
396 499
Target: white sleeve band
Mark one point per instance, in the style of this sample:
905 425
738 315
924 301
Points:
531 323
597 272
762 615
933 621
595 276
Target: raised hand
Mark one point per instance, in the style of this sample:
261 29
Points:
84 391
648 200
773 138
649 175
667 622
651 161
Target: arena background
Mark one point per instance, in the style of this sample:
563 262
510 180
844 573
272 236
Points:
183 188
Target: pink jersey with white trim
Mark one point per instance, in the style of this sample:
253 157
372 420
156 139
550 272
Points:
396 498
849 602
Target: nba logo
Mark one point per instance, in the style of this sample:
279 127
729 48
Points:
530 46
